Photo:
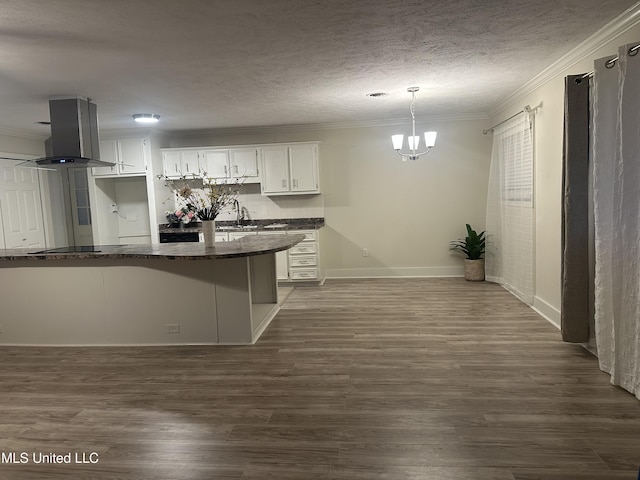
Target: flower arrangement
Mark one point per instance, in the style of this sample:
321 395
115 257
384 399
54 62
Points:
203 196
182 215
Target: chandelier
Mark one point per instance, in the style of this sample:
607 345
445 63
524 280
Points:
413 140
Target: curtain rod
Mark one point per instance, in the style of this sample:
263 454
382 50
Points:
610 63
526 109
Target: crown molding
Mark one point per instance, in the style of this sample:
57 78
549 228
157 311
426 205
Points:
619 25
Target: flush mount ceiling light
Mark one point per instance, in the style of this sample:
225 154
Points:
413 140
146 118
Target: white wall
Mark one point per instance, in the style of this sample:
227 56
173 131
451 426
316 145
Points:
130 224
20 145
549 92
404 213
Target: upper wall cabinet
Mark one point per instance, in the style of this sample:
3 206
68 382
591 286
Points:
243 162
290 169
216 163
231 163
178 163
129 155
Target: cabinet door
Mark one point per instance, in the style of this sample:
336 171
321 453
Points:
108 153
282 266
304 168
282 259
189 163
132 155
215 163
171 164
243 162
275 170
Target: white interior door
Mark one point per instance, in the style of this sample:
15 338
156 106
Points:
21 207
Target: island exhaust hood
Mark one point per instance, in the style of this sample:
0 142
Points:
74 134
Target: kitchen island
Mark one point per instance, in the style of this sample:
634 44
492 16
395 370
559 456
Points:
159 294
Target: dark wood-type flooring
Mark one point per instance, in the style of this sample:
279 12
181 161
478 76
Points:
373 379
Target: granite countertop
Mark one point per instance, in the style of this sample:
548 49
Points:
243 247
251 225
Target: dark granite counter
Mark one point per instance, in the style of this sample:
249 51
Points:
271 224
243 247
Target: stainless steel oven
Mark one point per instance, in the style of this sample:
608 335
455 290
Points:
166 237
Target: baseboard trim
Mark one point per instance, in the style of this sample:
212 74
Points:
547 311
395 272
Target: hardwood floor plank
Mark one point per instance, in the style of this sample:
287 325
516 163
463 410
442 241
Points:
382 379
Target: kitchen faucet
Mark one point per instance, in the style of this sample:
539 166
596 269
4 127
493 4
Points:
239 212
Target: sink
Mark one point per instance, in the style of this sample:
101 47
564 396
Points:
277 225
238 227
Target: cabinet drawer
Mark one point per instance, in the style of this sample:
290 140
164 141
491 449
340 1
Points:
303 273
310 235
303 248
303 260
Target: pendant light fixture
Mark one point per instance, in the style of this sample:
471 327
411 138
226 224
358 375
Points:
413 140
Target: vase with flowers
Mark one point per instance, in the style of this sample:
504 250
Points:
205 197
181 216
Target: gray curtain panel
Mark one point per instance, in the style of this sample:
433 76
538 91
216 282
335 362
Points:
575 310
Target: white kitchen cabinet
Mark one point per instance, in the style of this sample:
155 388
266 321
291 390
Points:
129 155
215 163
243 162
178 163
302 261
234 163
282 258
304 257
108 153
219 163
275 170
290 169
304 168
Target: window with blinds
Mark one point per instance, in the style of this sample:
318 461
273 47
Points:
517 151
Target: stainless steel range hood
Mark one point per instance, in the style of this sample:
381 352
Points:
74 134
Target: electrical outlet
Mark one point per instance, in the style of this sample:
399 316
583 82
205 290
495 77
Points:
114 208
173 328
365 252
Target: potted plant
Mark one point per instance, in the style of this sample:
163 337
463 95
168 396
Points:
473 247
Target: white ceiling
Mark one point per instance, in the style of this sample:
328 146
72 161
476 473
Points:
239 63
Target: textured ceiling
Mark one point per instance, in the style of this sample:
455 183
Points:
238 63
